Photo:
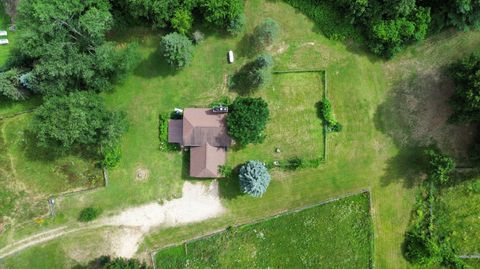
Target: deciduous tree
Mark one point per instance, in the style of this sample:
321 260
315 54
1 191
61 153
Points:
247 119
177 50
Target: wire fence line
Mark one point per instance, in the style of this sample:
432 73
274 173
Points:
282 213
325 94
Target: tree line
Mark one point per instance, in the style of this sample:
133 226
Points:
63 55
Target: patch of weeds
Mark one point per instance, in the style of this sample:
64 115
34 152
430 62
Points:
88 214
163 132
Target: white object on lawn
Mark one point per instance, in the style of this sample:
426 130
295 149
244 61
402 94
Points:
3 41
3 33
178 110
230 56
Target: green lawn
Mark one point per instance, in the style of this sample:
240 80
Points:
294 126
333 235
367 153
461 208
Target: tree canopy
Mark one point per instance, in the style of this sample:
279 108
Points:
78 118
440 166
466 99
63 42
221 14
177 50
389 25
106 262
247 119
10 86
254 178
254 75
266 33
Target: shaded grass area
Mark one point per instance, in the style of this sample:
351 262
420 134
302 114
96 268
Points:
34 174
460 208
333 235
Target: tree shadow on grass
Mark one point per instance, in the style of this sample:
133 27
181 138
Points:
229 186
408 165
155 65
415 115
246 47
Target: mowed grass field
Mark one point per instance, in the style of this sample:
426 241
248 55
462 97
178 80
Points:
366 154
334 235
294 126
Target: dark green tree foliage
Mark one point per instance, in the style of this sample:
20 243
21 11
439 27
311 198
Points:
462 14
427 240
105 262
466 99
389 25
164 13
440 166
177 50
65 42
254 178
182 21
111 156
266 33
10 86
76 119
247 119
254 75
325 112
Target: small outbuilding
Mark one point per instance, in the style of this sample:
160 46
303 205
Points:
3 41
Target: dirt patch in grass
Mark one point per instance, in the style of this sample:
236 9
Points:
416 113
142 174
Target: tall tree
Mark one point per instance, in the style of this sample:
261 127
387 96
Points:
65 42
76 119
466 99
247 119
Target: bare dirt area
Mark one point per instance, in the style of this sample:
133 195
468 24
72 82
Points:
198 202
416 113
141 174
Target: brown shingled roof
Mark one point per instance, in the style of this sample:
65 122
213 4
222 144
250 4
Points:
205 160
201 126
175 131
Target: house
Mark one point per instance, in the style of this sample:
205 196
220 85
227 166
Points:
205 132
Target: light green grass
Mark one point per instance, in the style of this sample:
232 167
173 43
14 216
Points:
334 235
294 126
461 208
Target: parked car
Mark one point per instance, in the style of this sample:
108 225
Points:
220 109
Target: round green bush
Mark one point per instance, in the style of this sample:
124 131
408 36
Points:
88 214
177 50
266 33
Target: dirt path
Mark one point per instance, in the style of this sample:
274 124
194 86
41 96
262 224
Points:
198 202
